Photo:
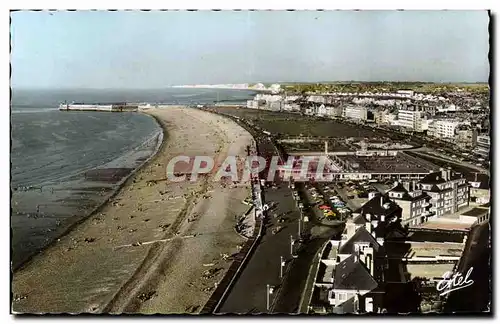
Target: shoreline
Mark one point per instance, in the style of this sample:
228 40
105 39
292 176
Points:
93 276
160 138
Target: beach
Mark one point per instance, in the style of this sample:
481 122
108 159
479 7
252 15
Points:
157 246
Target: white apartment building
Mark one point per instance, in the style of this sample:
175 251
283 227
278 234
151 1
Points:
253 104
406 93
426 124
448 191
413 202
291 106
317 99
411 118
268 97
443 128
388 118
355 112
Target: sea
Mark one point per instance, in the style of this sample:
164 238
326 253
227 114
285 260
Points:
65 165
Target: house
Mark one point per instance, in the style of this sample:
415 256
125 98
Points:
382 214
479 189
448 191
414 202
356 271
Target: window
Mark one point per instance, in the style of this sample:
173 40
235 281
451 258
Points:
341 296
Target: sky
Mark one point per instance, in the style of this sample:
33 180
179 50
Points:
140 49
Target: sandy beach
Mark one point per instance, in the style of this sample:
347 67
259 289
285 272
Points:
157 246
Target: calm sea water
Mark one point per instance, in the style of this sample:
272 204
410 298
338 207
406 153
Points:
66 164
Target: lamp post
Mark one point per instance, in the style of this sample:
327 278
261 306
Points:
269 292
300 219
267 297
282 264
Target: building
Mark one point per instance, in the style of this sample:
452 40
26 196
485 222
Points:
411 117
291 106
389 118
321 111
378 116
380 215
448 191
354 272
445 128
483 146
479 189
413 202
317 99
359 113
477 215
333 111
405 93
274 105
466 137
253 104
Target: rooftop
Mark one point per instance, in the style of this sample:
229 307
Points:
410 249
435 236
476 212
406 193
430 271
443 225
438 177
361 235
400 163
377 206
352 274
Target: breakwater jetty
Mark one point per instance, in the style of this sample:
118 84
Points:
110 107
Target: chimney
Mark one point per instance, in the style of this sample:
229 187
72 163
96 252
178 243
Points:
368 217
372 195
381 201
350 229
369 259
448 174
475 177
414 185
444 173
406 185
368 226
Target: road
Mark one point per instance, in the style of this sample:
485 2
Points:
248 295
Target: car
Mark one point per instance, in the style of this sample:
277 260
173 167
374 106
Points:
330 214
